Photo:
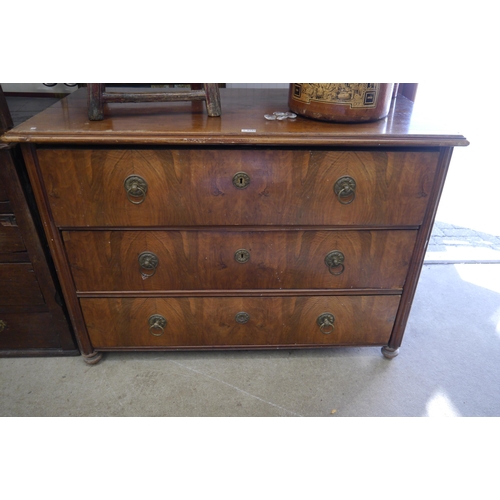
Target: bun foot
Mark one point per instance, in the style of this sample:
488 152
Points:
92 358
389 352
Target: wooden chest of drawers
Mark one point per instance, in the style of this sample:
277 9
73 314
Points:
173 230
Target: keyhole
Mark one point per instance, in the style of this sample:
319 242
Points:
242 256
241 180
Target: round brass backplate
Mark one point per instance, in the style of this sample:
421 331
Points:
241 180
242 317
242 256
148 260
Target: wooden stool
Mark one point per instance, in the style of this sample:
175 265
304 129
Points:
97 97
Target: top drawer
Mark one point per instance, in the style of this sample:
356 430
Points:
159 187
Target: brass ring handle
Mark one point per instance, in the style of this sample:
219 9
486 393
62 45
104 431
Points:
135 187
335 261
157 321
149 262
326 322
342 267
3 325
345 189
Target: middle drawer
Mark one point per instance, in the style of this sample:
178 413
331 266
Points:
11 239
237 260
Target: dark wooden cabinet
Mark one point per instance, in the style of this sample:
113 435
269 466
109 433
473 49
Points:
174 230
32 317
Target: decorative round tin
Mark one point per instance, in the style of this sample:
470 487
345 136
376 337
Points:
341 102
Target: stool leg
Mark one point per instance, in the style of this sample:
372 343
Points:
95 101
212 99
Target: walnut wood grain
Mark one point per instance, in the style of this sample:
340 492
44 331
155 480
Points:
364 320
204 260
195 186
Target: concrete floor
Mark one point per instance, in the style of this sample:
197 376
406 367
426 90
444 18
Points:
448 363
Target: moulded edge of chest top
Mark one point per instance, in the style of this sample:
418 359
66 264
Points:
354 140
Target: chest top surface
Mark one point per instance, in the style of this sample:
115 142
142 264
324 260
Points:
242 123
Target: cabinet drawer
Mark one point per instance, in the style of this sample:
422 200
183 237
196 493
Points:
5 207
19 286
239 321
198 187
28 331
232 260
11 240
3 194
10 236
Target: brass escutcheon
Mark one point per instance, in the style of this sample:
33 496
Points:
242 256
326 323
136 188
149 262
335 262
345 189
242 317
157 322
3 325
241 180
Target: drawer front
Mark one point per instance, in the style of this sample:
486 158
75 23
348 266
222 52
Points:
232 260
3 194
28 331
5 207
10 236
19 286
201 187
239 321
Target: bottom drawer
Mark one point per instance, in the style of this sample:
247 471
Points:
239 321
19 286
28 331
